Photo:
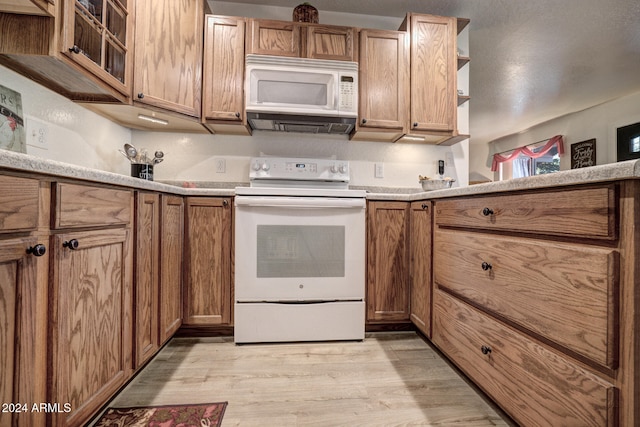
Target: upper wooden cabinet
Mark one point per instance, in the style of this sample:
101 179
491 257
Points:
384 85
296 39
29 7
223 92
168 55
84 53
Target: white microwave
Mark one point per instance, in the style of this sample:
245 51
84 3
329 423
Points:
298 86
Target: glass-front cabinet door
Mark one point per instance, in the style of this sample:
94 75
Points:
97 38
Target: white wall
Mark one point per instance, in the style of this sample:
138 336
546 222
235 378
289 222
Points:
78 136
599 122
72 133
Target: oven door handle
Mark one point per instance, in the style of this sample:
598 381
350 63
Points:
300 202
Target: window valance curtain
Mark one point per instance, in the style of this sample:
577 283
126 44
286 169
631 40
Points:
555 141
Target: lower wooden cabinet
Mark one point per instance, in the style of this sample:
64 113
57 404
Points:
388 291
91 321
23 325
207 287
420 244
146 276
535 385
171 262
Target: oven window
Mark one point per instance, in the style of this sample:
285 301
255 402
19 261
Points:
300 251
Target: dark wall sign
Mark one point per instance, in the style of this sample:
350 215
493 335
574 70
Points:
583 154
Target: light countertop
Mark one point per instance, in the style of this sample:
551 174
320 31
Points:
602 173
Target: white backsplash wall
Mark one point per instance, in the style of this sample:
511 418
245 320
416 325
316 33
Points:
191 157
58 129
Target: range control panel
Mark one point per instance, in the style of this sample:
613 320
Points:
282 168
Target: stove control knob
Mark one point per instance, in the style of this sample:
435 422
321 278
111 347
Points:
343 169
334 169
255 167
265 167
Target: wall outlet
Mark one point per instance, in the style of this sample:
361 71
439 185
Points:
448 160
221 166
379 170
38 134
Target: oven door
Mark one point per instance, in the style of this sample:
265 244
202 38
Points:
292 249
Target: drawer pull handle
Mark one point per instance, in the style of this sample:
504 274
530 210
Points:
487 211
485 349
37 250
71 244
424 206
486 266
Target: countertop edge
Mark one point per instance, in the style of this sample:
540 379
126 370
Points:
629 169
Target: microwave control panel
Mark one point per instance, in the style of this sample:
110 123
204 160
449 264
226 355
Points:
348 93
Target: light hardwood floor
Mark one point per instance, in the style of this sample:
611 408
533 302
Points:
389 379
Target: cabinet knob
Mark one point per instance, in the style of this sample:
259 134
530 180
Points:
37 250
486 266
415 124
71 244
485 349
237 114
487 211
225 203
74 49
364 121
425 206
140 95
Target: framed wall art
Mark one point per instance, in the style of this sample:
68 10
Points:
583 154
629 142
12 132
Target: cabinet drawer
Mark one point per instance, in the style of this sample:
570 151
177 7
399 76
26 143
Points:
562 292
19 199
86 206
582 212
534 385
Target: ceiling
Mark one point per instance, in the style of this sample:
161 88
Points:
531 61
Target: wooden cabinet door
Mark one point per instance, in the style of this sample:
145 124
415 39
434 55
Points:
146 276
388 292
384 67
331 42
168 56
171 252
207 290
280 38
433 73
91 319
23 325
420 265
97 35
224 69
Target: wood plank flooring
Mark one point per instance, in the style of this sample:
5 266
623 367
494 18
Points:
389 379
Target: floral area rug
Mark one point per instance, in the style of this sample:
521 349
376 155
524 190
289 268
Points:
200 415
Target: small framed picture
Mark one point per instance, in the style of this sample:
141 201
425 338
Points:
583 154
12 132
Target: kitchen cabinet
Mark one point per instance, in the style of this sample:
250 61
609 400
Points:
530 300
84 52
223 93
24 263
166 94
28 7
168 55
146 276
171 262
207 287
91 319
388 287
384 85
420 247
301 40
